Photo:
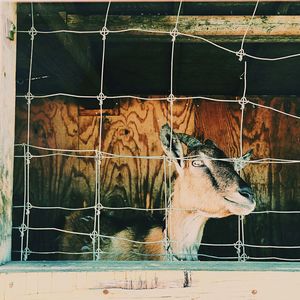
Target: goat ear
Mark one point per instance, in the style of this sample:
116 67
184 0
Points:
248 155
174 151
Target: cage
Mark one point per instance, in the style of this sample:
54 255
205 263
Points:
95 82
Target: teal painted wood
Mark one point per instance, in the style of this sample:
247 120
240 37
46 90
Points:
114 266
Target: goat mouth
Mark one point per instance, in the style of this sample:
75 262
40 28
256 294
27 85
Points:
238 204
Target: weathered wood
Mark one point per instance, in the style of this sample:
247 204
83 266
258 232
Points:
212 26
7 126
43 281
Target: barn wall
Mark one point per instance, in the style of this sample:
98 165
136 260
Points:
7 117
133 129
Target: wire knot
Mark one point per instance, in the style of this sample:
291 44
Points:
32 32
93 235
98 208
104 32
243 101
244 257
240 163
26 253
28 157
101 97
98 156
29 97
240 54
171 98
23 227
237 245
98 253
174 33
28 207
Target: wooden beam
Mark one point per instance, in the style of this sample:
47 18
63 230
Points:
59 280
7 126
273 27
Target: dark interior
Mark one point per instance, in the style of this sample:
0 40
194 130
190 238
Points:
141 66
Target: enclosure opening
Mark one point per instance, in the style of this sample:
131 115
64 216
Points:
93 92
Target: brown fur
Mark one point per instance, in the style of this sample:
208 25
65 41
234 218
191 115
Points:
155 250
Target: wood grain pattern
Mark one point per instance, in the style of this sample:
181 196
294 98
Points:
54 180
134 130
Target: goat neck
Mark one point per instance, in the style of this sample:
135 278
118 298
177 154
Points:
185 225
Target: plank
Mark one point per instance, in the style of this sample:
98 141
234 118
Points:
148 284
212 26
7 126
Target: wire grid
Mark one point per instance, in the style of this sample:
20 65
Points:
98 155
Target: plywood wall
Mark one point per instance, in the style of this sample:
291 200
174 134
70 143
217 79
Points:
133 129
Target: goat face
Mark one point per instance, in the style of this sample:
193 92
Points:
206 181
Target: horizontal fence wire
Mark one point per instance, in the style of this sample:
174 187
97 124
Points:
240 245
107 155
162 32
283 212
160 99
155 242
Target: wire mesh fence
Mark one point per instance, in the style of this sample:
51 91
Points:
98 155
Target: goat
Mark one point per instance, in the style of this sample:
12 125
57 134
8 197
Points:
206 186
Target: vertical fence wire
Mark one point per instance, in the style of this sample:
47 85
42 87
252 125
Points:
24 228
101 98
166 206
243 102
171 99
240 244
241 252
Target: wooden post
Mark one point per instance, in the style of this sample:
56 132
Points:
7 123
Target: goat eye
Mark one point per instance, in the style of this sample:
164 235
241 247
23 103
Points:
197 163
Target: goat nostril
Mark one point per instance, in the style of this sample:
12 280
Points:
246 192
